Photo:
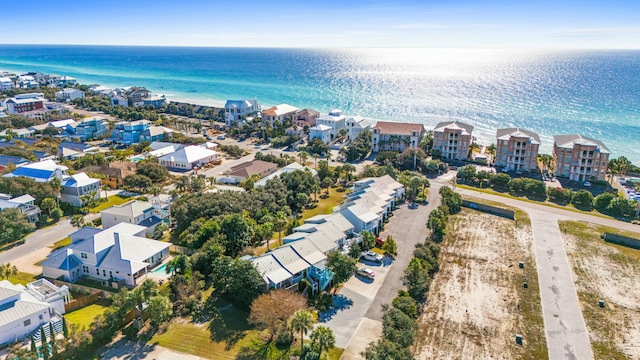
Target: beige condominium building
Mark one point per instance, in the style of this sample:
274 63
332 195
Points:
452 139
517 149
580 158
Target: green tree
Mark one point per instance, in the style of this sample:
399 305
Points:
239 231
47 205
407 305
236 279
302 321
342 266
467 173
384 349
437 223
354 250
7 270
139 182
582 199
13 225
368 240
398 327
602 201
323 339
77 221
181 264
417 279
43 339
390 247
65 329
158 310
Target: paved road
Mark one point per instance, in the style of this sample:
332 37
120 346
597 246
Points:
132 350
42 238
565 329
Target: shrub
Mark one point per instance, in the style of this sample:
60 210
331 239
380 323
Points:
582 199
559 195
602 201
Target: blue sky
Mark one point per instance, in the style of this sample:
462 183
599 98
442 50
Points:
452 23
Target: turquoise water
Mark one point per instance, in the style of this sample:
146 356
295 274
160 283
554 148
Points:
137 158
595 93
161 271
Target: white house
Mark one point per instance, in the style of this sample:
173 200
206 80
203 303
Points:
335 120
78 185
188 157
24 203
69 94
43 171
355 125
6 84
279 112
322 132
235 110
362 218
144 213
286 169
22 313
116 256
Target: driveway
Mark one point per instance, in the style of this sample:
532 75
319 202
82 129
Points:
131 350
31 251
357 318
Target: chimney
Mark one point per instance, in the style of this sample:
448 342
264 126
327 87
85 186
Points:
116 239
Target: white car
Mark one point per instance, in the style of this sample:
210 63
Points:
366 272
587 184
371 256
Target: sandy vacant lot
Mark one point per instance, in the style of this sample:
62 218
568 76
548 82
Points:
608 272
477 301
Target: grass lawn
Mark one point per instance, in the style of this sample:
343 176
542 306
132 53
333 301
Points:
227 336
61 243
111 201
568 207
83 317
326 205
22 278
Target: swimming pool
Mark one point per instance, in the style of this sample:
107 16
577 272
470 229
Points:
137 158
161 272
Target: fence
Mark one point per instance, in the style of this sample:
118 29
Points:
177 249
82 289
506 213
83 301
622 240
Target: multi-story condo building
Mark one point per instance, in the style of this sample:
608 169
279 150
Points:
395 136
306 117
452 139
335 120
517 149
89 128
280 113
129 132
356 124
24 103
235 110
580 158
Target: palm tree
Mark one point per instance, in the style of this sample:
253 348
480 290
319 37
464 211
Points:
155 191
315 160
212 181
302 321
77 221
7 270
182 183
623 165
303 157
55 185
323 338
105 188
348 169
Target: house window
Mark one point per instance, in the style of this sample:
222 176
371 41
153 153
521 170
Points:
104 272
27 322
97 271
83 255
40 316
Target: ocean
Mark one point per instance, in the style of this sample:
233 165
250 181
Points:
593 93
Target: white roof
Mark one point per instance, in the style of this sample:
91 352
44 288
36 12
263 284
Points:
25 306
164 151
320 127
131 208
287 169
79 180
26 198
290 260
270 269
464 129
280 110
46 165
5 79
189 154
161 144
61 123
307 250
362 213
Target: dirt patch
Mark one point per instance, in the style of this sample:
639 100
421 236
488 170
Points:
477 302
608 272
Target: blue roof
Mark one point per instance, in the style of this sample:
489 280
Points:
27 141
73 145
8 159
69 262
33 173
40 154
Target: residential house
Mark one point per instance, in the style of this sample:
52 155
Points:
155 101
395 136
24 203
383 185
69 94
43 171
188 157
118 98
65 81
97 89
7 160
279 113
362 218
136 95
322 132
45 291
580 158
6 84
23 310
335 120
236 110
88 128
24 103
129 132
74 150
144 213
78 185
27 82
116 257
517 149
22 132
61 124
356 124
248 169
305 117
155 133
453 140
114 173
165 149
286 169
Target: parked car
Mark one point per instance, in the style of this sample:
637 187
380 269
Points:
371 256
221 137
380 241
587 184
367 273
